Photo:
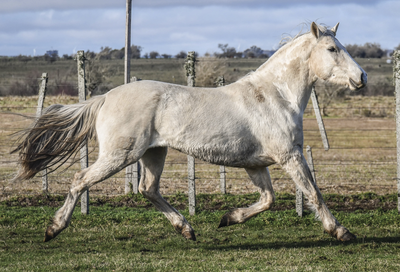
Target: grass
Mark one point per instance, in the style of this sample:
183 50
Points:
141 239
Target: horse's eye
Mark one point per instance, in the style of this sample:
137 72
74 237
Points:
332 49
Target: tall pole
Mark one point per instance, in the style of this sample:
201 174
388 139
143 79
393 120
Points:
128 42
396 81
132 172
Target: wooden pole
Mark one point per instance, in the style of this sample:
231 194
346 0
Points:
84 149
299 201
396 81
191 75
311 162
222 170
321 125
128 42
132 172
42 96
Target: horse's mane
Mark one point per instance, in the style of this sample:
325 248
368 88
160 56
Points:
287 38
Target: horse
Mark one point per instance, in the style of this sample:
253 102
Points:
252 123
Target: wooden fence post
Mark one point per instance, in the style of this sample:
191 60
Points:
84 149
222 170
311 162
299 201
325 142
321 125
396 82
191 75
42 96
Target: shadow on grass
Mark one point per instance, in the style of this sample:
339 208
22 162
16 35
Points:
305 244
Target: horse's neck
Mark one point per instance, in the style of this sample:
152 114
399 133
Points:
288 74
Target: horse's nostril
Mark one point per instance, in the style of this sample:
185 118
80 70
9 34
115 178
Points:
363 78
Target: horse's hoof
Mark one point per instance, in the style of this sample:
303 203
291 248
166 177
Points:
49 234
189 234
226 220
347 237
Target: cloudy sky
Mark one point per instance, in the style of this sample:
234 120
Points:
168 26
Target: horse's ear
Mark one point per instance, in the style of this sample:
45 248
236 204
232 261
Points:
315 30
334 29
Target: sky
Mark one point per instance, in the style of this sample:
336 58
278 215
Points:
168 26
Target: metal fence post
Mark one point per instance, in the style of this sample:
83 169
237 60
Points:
222 171
84 149
42 96
396 82
191 75
321 125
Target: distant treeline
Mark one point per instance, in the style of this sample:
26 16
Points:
368 50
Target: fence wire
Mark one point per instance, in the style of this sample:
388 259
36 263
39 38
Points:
362 158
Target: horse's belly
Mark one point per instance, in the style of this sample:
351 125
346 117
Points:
235 153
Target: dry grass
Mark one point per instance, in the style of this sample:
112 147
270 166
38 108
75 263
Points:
362 156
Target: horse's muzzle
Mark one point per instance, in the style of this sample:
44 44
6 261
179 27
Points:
359 84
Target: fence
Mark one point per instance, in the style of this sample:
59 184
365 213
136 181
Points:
362 157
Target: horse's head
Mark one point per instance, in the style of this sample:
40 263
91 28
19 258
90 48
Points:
331 62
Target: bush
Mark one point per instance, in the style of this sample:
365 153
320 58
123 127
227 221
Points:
27 86
368 50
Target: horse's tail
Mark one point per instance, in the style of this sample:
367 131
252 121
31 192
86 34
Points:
56 136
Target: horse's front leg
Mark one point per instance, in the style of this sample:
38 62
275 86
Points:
260 178
296 166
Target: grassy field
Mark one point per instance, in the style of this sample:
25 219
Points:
115 237
63 73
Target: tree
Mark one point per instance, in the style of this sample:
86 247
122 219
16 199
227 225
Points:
368 50
166 56
181 55
117 54
227 52
104 53
255 52
154 54
135 51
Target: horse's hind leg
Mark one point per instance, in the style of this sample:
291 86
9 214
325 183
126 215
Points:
104 167
152 163
261 178
296 165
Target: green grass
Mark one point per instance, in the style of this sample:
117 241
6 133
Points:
141 239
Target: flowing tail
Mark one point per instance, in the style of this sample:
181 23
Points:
56 136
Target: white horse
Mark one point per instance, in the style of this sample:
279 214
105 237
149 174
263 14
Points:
252 123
